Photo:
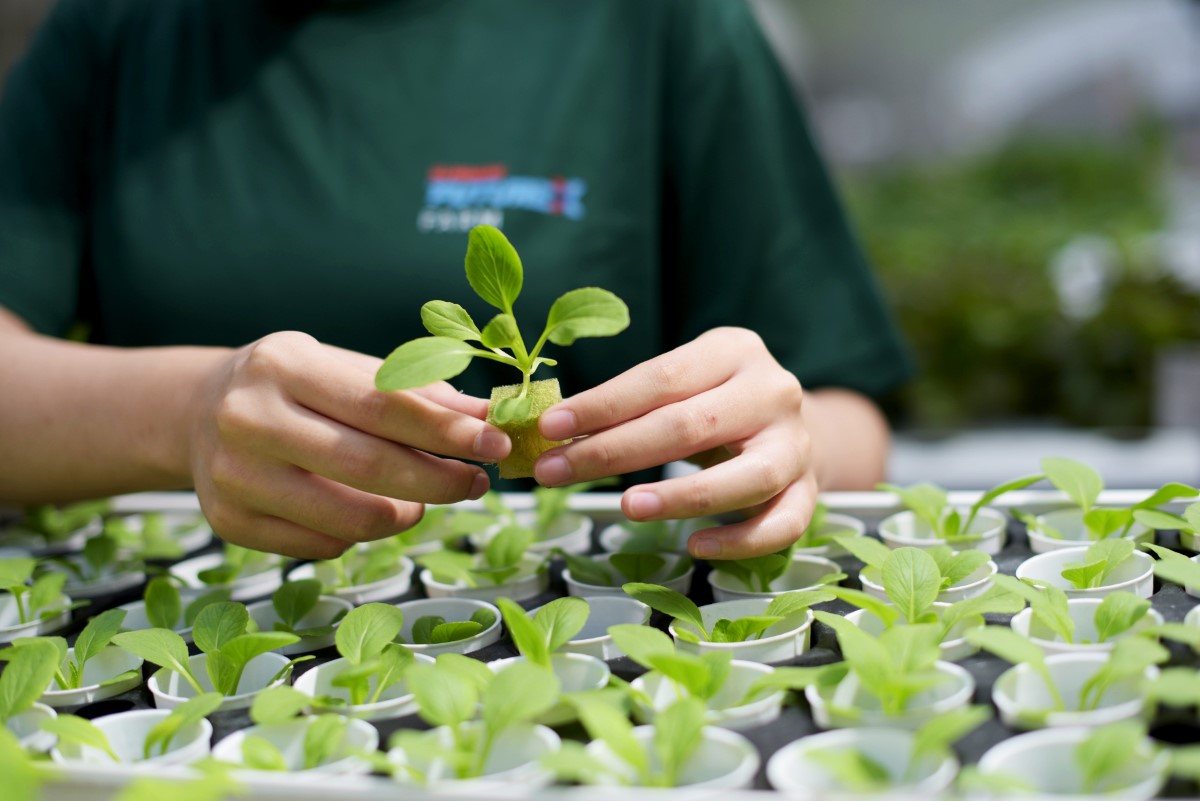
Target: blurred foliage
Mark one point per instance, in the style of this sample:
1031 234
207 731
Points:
964 249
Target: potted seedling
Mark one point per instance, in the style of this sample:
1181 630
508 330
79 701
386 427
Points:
494 272
369 680
914 581
1086 522
1187 524
234 661
736 694
824 530
92 670
604 612
1105 566
159 535
875 761
895 679
100 569
1175 568
435 626
772 629
162 606
555 527
28 606
47 530
502 568
930 520
652 536
280 741
179 736
299 608
1117 762
678 750
964 574
245 573
605 573
440 527
1061 625
1069 689
484 735
771 575
537 639
27 674
368 572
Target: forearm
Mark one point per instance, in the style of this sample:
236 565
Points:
850 439
79 421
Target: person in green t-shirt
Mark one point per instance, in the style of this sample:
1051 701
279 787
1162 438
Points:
245 204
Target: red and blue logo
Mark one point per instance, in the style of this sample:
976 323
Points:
460 196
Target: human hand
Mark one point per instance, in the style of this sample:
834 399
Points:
721 401
293 450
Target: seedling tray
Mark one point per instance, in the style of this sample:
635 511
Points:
1170 726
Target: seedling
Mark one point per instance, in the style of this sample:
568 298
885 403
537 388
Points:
622 568
745 629
495 273
221 632
91 641
40 600
436 630
293 601
29 672
660 536
451 693
74 729
366 639
238 562
1083 485
821 530
551 628
165 609
1105 755
324 735
1174 567
57 523
1188 523
1099 561
364 564
149 535
181 718
501 559
101 557
758 573
930 504
952 566
1117 613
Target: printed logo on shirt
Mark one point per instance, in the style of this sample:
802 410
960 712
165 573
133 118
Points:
460 196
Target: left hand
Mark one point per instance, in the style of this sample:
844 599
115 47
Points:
721 401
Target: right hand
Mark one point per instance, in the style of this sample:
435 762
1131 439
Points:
293 450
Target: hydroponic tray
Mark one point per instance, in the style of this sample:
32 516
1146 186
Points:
795 722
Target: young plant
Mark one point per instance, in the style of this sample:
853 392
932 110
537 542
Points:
27 675
1099 561
1174 567
181 718
952 566
1117 613
94 638
366 563
473 709
164 605
435 629
324 735
930 504
757 573
238 562
494 271
1083 485
149 536
660 536
501 559
622 568
551 503
55 524
1105 755
101 557
366 639
74 729
1187 523
550 629
40 599
221 632
293 601
745 629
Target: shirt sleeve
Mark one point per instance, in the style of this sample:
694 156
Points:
755 235
44 114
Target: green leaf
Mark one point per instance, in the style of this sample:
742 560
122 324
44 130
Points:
96 635
483 617
423 361
791 603
1192 515
295 599
788 678
1174 567
668 602
866 656
1175 686
512 410
1085 575
501 332
586 312
935 737
641 567
886 613
954 567
507 547
912 581
443 319
1079 482
394 662
29 672
454 631
642 644
14 572
1048 604
995 601
611 727
277 704
163 604
82 732
852 770
450 567
493 267
225 666
560 620
1002 489
692 673
927 501
519 693
258 753
1107 750
742 629
586 570
444 697
529 639
161 647
1160 521
193 609
1015 649
323 739
99 553
678 731
1102 523
870 551
422 630
1165 494
1129 659
190 711
365 631
1117 613
218 624
46 591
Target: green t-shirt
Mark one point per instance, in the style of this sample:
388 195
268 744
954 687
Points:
210 171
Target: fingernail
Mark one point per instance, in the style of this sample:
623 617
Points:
479 486
559 424
491 446
552 470
706 548
645 504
